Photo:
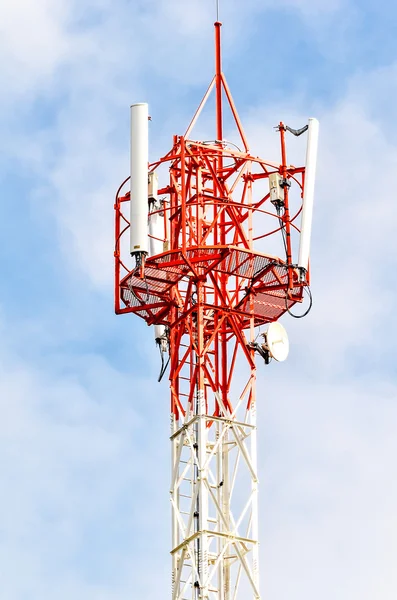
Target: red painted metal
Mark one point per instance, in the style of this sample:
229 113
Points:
214 282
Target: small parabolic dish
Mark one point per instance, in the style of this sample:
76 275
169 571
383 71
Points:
277 342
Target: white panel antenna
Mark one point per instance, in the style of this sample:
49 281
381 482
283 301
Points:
156 242
308 196
156 217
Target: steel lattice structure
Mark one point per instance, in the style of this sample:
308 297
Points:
210 288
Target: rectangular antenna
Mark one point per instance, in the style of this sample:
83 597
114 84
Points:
308 194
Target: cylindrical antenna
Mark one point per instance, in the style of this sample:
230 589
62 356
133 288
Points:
308 194
139 179
217 10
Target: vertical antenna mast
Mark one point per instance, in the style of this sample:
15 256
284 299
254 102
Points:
210 280
218 81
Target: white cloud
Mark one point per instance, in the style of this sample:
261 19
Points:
72 458
33 42
328 494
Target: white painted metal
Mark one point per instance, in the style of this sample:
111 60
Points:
254 500
214 501
156 228
308 196
139 178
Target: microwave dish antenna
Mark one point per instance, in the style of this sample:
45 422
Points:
276 342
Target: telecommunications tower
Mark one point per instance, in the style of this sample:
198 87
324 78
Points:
219 241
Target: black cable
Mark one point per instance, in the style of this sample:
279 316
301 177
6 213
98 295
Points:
307 311
140 300
282 227
162 360
163 368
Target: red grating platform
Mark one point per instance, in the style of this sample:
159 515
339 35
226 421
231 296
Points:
258 284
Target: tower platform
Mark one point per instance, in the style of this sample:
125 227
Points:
259 285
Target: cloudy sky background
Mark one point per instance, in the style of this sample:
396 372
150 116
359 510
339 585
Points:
84 510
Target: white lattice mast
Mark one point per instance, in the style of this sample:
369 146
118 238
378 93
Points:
214 496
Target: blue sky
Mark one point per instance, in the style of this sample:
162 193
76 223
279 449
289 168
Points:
84 510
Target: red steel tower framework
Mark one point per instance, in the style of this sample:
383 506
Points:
205 287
